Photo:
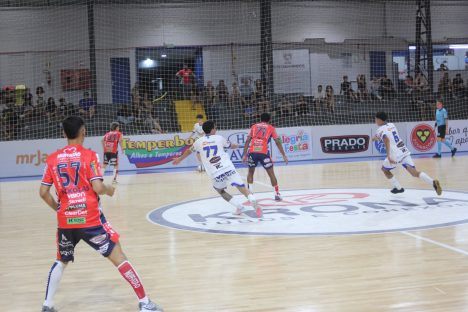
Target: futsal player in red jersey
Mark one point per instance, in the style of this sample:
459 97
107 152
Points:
110 144
76 175
256 150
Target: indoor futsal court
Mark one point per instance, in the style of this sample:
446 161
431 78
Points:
399 270
234 155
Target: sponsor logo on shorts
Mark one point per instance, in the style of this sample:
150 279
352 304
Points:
103 249
98 239
423 137
222 177
64 242
345 144
76 220
321 212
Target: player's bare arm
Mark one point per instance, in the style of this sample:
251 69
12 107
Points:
44 192
246 148
234 146
281 149
182 157
103 189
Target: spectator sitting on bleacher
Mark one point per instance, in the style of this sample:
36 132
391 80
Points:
458 86
209 95
442 67
259 91
223 93
87 106
362 88
409 84
375 88
124 115
302 106
285 107
330 98
51 110
246 90
235 97
11 122
249 111
263 105
195 97
387 89
346 89
39 104
445 86
319 97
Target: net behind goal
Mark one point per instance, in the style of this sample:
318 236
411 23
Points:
153 65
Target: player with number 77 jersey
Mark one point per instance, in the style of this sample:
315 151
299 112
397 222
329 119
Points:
219 166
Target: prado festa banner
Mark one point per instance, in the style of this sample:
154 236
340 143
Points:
27 158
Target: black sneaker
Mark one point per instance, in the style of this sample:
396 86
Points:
454 151
397 191
437 156
437 187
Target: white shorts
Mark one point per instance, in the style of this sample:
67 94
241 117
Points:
230 177
406 162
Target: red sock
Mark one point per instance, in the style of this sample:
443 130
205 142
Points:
277 189
130 275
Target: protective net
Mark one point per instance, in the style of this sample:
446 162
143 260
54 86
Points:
153 65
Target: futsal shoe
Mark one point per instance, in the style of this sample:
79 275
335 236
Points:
437 156
239 211
115 181
47 309
437 187
257 208
278 197
454 151
150 306
397 191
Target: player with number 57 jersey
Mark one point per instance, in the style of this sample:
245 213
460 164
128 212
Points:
71 170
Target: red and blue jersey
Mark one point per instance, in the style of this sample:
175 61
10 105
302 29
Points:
71 170
261 133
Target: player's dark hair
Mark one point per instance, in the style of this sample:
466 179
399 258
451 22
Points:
199 116
382 116
208 126
72 125
114 125
265 117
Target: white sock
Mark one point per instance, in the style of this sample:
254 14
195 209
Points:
145 300
251 198
55 275
115 174
395 183
250 187
426 178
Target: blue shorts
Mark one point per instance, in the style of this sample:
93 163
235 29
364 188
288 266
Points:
263 159
101 238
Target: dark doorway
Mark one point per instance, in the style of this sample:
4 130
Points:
157 68
120 78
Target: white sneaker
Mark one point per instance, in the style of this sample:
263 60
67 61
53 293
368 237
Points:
239 211
150 306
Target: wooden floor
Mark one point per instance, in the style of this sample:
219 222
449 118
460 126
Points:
192 271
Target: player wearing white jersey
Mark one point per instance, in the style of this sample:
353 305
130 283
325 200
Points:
219 166
197 133
398 153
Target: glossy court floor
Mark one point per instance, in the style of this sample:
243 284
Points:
403 270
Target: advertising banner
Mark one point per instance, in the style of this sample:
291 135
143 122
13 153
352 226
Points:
291 71
297 143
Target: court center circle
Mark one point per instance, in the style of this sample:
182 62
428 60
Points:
320 212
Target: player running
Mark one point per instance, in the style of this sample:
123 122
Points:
258 151
219 167
398 153
441 125
110 145
197 133
76 174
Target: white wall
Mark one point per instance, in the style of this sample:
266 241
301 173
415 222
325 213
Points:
119 29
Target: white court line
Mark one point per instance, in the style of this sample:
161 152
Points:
428 240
